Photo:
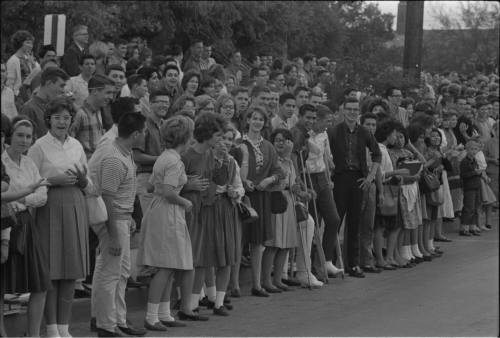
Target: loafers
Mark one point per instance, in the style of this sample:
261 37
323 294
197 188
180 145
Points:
290 282
132 331
173 323
221 311
185 316
271 289
158 326
259 293
427 258
106 333
371 269
385 267
356 272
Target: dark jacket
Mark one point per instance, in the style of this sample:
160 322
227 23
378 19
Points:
70 62
300 150
338 141
470 178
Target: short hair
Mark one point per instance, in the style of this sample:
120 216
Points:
130 123
238 90
56 106
18 121
322 111
252 57
277 65
274 74
472 141
85 57
179 103
378 102
286 96
348 90
170 67
428 139
308 57
99 49
176 131
206 125
415 130
389 91
257 90
315 93
424 120
401 129
47 61
131 66
201 101
288 68
188 76
350 100
147 72
255 71
135 80
423 107
44 49
117 67
175 50
99 82
52 74
159 60
407 102
300 89
121 106
281 131
120 41
305 108
367 116
255 108
78 28
156 93
221 100
19 37
384 130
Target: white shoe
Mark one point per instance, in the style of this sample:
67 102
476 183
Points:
332 269
308 282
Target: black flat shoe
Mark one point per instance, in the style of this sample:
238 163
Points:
221 311
235 293
132 331
371 269
488 226
259 293
271 289
356 272
385 267
106 333
427 258
226 299
206 303
158 326
194 318
465 233
290 282
283 288
173 323
228 306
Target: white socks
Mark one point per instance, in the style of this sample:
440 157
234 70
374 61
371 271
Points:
195 299
164 312
405 252
219 298
63 330
152 313
431 244
211 293
52 330
415 251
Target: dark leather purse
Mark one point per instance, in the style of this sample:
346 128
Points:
301 212
429 181
278 202
246 212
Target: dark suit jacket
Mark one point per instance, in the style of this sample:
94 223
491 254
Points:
71 59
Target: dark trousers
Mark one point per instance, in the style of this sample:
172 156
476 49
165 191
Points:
472 201
327 210
348 197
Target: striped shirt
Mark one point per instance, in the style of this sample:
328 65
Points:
87 128
112 168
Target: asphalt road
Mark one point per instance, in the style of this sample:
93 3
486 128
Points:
455 295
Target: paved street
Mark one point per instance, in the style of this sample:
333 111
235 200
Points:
455 295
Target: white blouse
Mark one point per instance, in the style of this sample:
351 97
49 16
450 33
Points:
21 176
386 163
54 158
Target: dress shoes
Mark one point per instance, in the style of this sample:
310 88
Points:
185 316
259 293
271 289
290 282
132 331
221 311
158 326
172 323
235 293
371 269
356 272
106 333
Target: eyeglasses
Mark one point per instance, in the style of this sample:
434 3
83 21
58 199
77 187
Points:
228 107
280 140
166 103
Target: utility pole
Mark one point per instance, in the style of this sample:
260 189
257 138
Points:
412 58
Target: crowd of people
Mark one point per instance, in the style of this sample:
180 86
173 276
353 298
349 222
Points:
201 168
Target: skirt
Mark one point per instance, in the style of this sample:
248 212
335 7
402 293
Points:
25 270
284 226
165 240
411 219
260 231
447 206
63 231
214 238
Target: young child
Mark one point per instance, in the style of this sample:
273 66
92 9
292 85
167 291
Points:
471 179
488 198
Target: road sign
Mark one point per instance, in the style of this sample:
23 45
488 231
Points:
54 32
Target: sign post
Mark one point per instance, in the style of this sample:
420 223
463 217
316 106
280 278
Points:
54 32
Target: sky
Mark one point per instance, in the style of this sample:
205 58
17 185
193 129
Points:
430 8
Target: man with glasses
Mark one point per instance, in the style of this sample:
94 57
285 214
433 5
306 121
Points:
348 143
394 98
71 59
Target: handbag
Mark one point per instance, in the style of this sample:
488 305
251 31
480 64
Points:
389 207
436 197
246 212
487 194
96 210
301 212
278 202
429 181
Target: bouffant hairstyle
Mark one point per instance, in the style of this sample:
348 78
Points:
19 37
188 76
287 135
206 125
251 111
98 49
378 102
56 106
202 101
428 139
384 130
221 100
176 131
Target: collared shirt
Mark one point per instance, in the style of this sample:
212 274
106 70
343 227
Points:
109 137
87 127
79 88
35 108
318 147
53 157
152 144
21 176
352 160
113 170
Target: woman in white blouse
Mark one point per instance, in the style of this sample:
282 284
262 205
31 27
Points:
22 63
63 221
26 271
